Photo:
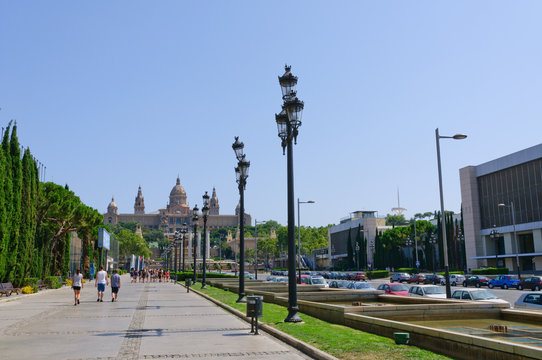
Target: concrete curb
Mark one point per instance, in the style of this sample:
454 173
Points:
290 340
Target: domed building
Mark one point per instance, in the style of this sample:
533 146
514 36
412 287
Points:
176 213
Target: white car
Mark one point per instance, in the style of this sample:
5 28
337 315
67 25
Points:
430 291
454 280
318 280
477 295
529 301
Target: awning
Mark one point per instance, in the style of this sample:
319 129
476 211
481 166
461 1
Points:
506 256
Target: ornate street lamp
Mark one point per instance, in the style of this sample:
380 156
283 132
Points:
433 242
288 123
176 240
442 214
195 219
241 174
408 243
184 231
205 212
494 235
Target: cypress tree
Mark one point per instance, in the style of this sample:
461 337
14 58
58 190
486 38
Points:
3 215
359 256
7 207
16 186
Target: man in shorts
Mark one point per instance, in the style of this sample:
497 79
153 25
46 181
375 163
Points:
115 285
101 281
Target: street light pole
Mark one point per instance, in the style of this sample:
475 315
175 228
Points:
184 231
299 233
511 206
205 211
256 222
241 173
288 123
442 215
195 219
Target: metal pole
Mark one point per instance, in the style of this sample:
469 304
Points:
416 244
194 249
242 298
204 250
293 309
183 239
255 249
443 220
298 241
515 238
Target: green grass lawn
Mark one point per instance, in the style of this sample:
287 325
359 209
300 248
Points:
340 341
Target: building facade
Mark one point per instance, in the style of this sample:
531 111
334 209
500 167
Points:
176 213
501 198
369 224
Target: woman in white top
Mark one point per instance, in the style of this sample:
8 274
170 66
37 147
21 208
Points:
77 284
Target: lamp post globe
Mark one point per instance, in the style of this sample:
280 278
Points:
195 219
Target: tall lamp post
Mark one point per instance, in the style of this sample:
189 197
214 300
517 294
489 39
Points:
184 231
433 242
442 215
288 123
357 253
195 219
408 243
256 222
511 206
205 212
175 243
299 233
241 173
494 235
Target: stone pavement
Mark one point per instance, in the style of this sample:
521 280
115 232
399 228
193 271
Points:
150 321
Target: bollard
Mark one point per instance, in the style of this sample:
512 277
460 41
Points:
187 284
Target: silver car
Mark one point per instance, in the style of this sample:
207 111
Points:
530 301
454 280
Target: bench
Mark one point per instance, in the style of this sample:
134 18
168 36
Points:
8 289
41 284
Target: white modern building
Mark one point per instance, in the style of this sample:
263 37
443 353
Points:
504 196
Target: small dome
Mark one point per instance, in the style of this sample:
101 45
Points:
112 207
177 189
112 204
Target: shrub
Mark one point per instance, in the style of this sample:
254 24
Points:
378 274
491 271
452 272
68 282
28 289
408 270
52 282
181 276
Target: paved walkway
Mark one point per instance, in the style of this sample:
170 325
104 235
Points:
150 321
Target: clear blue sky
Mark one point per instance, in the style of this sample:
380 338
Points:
111 95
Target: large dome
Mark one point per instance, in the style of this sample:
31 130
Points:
177 189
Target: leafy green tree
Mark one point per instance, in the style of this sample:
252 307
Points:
395 220
130 243
349 250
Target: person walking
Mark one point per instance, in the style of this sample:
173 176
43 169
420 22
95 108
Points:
101 282
115 285
77 284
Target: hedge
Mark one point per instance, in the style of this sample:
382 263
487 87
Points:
181 276
30 281
452 272
378 274
52 282
491 271
408 270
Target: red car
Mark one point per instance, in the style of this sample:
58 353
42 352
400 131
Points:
394 289
417 278
356 276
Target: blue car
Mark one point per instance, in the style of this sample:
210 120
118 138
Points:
504 281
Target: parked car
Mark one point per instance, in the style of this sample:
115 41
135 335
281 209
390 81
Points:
394 289
530 300
454 279
357 276
532 283
359 285
304 280
504 281
399 277
477 295
476 280
416 278
433 279
431 291
318 280
271 278
338 284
